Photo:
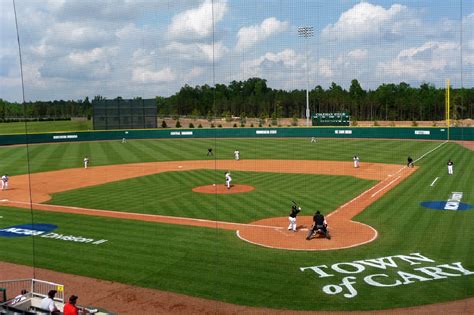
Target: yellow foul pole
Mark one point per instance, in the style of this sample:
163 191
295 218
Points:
447 107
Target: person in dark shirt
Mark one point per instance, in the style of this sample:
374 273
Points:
209 152
320 225
410 162
292 217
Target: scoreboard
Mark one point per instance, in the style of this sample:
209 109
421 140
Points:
331 119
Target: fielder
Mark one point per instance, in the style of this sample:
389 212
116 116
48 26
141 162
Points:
236 155
313 139
292 217
228 179
86 162
450 167
356 161
410 162
124 140
5 182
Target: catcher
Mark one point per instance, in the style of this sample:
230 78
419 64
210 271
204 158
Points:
320 226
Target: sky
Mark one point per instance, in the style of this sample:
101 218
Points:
146 48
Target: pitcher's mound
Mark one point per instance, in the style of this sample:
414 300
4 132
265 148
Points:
222 189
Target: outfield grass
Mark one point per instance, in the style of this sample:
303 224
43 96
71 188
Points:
47 157
215 264
45 126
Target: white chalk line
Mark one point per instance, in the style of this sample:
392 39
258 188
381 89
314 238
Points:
376 234
432 184
390 183
147 215
438 146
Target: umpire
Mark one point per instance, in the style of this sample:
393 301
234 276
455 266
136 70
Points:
319 224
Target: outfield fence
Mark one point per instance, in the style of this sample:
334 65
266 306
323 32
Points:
457 133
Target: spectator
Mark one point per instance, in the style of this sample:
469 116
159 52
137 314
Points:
48 302
20 297
71 308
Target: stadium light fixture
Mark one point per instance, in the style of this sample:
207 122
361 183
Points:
306 32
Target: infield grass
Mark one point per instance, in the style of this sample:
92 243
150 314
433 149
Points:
170 193
215 264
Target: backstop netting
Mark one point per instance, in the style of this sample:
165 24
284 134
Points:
172 156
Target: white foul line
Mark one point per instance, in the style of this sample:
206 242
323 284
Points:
137 215
375 193
434 181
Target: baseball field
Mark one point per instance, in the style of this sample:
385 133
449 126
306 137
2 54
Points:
401 236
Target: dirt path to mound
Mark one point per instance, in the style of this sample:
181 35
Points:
270 232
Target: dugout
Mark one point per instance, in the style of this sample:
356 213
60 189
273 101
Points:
331 119
124 114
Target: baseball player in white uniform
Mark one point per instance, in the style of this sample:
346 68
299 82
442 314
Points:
292 217
236 155
5 182
450 167
86 162
356 161
228 179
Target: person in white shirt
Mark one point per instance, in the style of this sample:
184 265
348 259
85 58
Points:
5 182
236 155
48 302
228 179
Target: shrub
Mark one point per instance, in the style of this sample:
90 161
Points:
354 122
191 125
414 123
294 121
199 126
219 126
235 126
178 124
213 126
242 125
251 125
260 125
163 124
376 123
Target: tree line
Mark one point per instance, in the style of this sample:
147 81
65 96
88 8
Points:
254 98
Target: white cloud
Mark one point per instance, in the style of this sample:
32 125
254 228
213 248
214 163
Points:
358 54
197 23
146 75
87 57
422 63
365 20
324 68
251 35
197 51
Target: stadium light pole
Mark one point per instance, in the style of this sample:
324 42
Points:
306 32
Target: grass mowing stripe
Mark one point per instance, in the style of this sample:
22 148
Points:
170 193
201 262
